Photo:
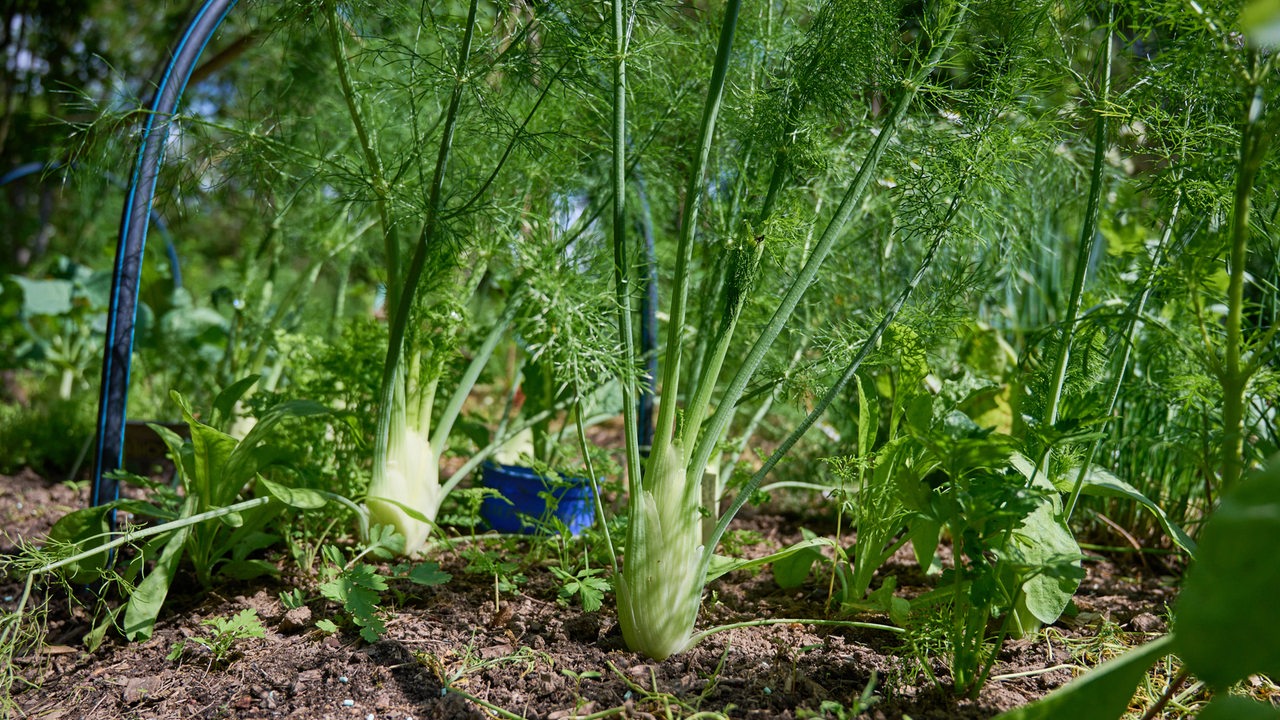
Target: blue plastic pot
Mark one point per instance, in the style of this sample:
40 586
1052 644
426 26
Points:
523 508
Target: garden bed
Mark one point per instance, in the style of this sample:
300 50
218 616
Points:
530 656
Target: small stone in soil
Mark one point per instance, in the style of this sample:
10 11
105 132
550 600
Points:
295 619
1147 623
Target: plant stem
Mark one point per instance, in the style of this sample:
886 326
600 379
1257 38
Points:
591 475
1088 231
1234 378
131 535
1126 342
468 380
622 261
1167 695
749 488
381 189
808 273
694 187
393 371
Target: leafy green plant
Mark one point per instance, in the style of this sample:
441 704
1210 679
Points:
507 575
358 586
459 222
1012 557
1219 629
214 471
584 584
224 635
60 317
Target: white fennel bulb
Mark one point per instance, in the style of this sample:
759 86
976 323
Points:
410 478
516 447
660 588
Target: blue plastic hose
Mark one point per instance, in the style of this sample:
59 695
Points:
139 199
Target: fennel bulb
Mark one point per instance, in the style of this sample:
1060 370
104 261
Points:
405 492
516 447
660 588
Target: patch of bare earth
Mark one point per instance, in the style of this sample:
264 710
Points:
530 656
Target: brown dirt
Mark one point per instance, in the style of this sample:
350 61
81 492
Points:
530 656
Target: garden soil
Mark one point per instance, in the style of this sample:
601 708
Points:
456 651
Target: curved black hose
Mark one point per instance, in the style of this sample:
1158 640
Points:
122 314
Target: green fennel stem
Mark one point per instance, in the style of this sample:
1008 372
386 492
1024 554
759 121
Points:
1088 231
392 394
660 588
749 488
719 421
391 243
693 194
1235 378
621 252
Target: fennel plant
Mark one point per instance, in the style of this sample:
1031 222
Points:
667 562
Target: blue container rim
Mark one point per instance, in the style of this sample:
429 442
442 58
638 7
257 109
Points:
524 472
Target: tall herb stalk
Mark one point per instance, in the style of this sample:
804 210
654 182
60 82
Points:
1235 371
667 564
1088 232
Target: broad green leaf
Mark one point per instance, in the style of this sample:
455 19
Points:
793 564
45 297
148 597
791 571
428 573
224 404
884 600
920 412
83 529
183 325
1101 694
211 451
248 541
1100 483
990 408
1042 541
301 498
231 519
142 507
1260 20
868 414
179 448
1225 616
1231 707
96 289
925 533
